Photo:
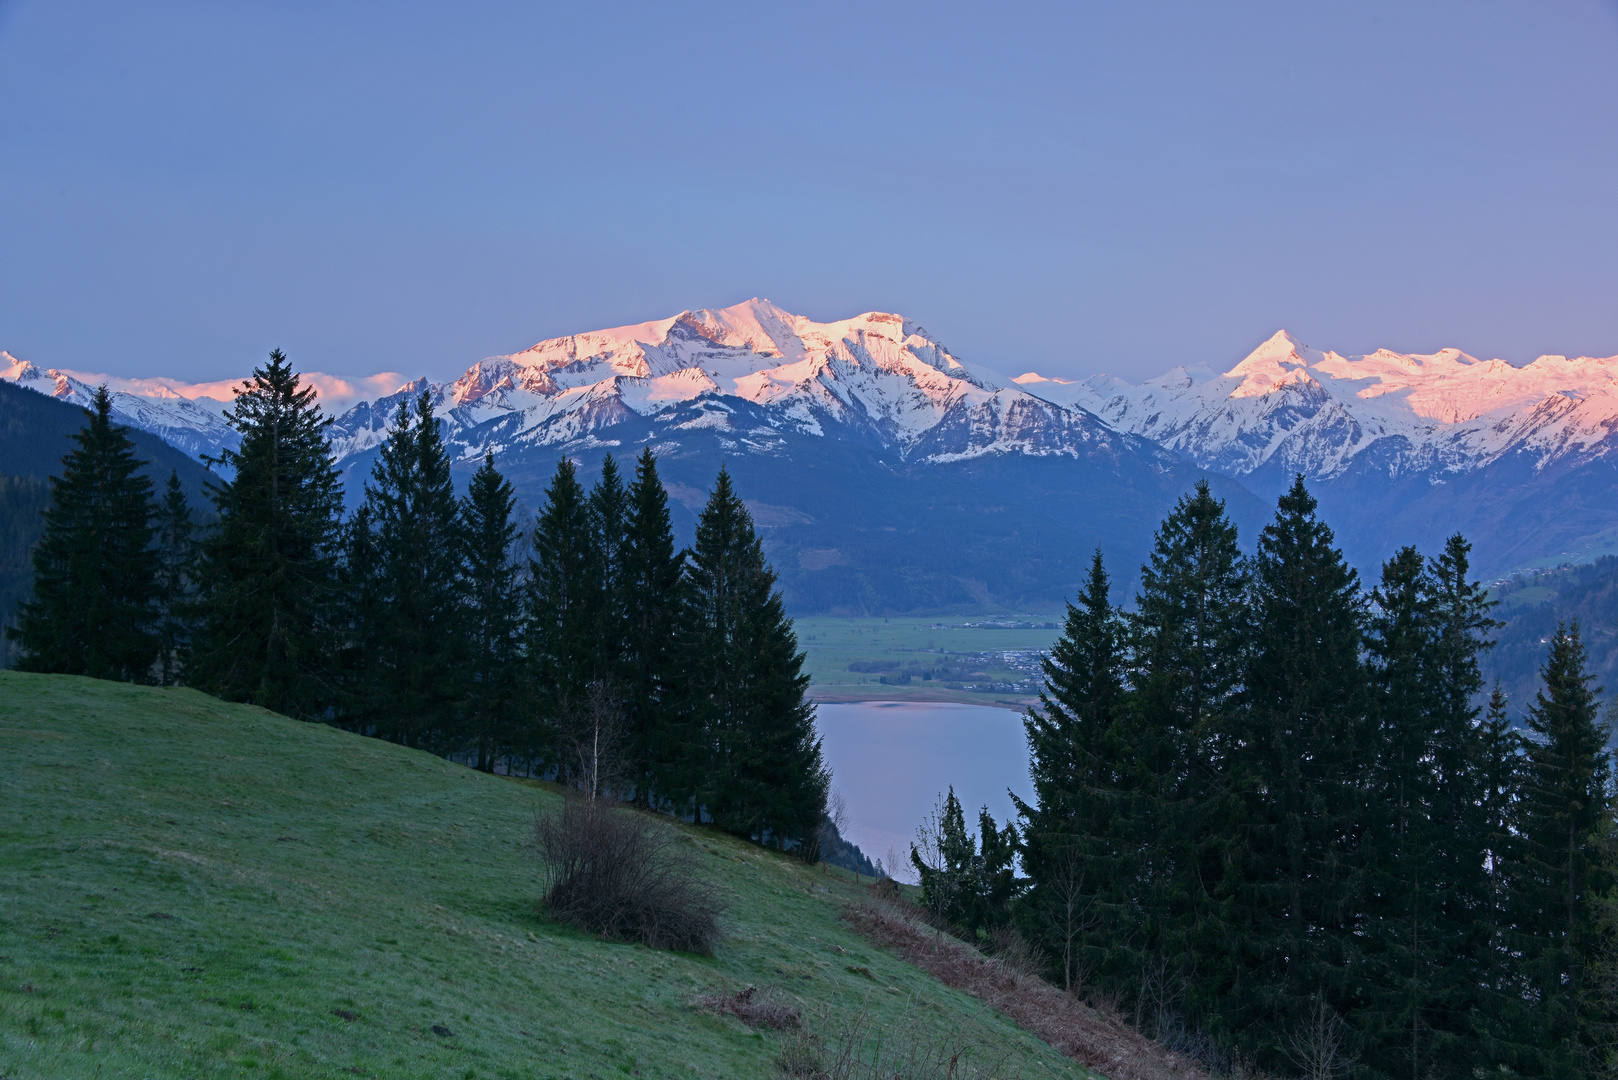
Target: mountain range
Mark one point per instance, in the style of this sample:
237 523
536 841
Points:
890 474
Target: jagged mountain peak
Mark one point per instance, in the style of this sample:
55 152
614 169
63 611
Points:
1292 407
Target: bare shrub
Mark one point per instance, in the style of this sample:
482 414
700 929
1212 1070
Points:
1318 1044
755 1009
857 1049
625 876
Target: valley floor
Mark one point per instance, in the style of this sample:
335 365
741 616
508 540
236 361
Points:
975 660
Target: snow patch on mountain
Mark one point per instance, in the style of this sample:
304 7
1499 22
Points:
1300 409
878 378
187 415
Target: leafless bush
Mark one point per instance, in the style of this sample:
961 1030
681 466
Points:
858 1049
1318 1044
625 876
756 1010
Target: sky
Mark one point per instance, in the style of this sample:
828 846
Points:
1066 187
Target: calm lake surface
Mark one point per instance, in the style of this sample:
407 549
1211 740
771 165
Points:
893 761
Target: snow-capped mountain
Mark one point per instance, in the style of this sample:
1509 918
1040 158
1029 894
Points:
877 379
187 415
1287 408
193 421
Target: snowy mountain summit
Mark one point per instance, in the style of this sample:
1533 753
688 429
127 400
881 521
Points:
1287 408
753 372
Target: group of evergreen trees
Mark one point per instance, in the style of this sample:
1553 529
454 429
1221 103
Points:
1271 814
608 657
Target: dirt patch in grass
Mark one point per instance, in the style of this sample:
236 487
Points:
755 1009
1101 1042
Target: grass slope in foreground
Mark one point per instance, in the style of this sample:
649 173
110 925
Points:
189 888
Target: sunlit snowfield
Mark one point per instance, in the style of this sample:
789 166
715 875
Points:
891 761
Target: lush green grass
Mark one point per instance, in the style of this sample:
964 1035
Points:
913 646
190 889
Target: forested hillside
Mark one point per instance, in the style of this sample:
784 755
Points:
1531 608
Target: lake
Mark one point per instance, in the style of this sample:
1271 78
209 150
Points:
893 761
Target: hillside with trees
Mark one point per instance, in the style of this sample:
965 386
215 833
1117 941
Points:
1277 820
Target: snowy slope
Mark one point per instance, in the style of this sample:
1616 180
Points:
877 379
187 415
1288 408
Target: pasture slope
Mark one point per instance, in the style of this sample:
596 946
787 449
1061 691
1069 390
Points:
195 889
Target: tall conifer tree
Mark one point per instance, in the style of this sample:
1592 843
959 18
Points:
176 550
420 647
763 776
493 615
1566 810
563 589
357 625
651 579
1075 851
267 574
95 570
1187 635
1303 744
609 530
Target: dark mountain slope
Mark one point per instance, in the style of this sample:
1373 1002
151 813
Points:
852 528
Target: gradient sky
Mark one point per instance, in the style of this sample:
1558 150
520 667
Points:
1069 187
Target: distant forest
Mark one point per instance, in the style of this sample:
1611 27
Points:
1534 604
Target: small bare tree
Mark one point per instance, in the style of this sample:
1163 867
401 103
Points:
937 864
595 729
835 824
1318 1044
1075 911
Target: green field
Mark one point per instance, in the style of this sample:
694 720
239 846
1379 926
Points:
921 659
192 889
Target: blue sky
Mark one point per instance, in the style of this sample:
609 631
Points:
1069 187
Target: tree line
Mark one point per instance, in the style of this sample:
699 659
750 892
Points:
1275 819
607 656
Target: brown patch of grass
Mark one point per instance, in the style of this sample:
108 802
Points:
1099 1040
752 1008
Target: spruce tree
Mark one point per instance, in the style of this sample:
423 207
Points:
420 647
1562 865
563 590
763 776
1403 949
95 571
1301 749
1186 640
1463 959
267 573
176 552
1080 907
654 677
609 531
493 616
356 626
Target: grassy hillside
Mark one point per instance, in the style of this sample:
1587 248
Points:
192 889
